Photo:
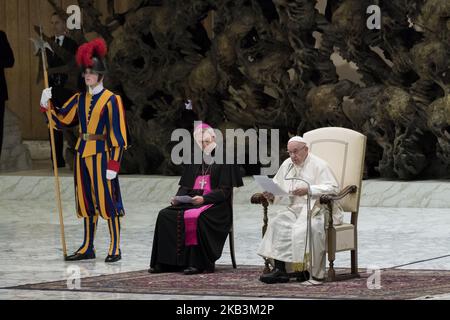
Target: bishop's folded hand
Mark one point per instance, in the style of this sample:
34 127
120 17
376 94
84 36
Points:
174 202
198 201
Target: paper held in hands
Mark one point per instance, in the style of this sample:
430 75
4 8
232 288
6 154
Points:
183 199
269 186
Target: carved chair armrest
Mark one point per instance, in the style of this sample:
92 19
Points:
329 198
259 198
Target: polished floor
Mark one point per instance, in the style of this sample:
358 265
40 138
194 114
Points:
31 250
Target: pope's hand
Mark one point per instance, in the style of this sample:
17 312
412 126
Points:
45 97
269 196
300 192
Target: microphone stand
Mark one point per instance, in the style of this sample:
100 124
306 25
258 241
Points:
308 216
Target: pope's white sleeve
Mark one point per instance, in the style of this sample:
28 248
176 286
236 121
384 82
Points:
326 184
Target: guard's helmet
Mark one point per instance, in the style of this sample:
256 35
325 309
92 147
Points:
91 55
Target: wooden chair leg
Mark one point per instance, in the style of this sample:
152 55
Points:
331 271
233 257
331 233
354 261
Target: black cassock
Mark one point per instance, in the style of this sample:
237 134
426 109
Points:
169 249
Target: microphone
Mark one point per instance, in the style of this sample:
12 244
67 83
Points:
291 165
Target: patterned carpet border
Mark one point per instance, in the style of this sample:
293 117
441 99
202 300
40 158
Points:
243 282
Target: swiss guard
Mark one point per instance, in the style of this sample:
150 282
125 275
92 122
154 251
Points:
100 115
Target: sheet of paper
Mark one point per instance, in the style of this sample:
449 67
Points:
268 185
183 199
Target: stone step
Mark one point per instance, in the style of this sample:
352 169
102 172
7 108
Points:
159 189
15 155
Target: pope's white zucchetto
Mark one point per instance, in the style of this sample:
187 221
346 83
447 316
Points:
298 139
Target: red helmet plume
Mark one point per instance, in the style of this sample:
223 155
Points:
89 54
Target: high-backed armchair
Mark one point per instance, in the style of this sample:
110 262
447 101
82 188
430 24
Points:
344 150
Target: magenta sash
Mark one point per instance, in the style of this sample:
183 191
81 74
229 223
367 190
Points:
191 216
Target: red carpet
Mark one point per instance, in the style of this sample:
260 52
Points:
243 282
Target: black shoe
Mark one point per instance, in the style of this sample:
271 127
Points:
303 276
211 270
156 269
192 270
81 256
276 276
112 259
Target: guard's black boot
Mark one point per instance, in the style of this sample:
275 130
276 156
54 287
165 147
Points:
112 259
81 256
114 253
278 274
86 251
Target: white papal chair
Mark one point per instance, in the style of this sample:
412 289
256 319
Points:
344 150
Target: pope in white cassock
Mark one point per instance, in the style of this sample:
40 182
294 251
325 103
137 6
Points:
285 240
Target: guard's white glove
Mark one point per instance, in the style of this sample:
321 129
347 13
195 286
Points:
111 175
45 97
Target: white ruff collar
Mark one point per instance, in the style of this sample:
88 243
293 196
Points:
99 88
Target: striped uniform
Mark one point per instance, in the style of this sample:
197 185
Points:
100 114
